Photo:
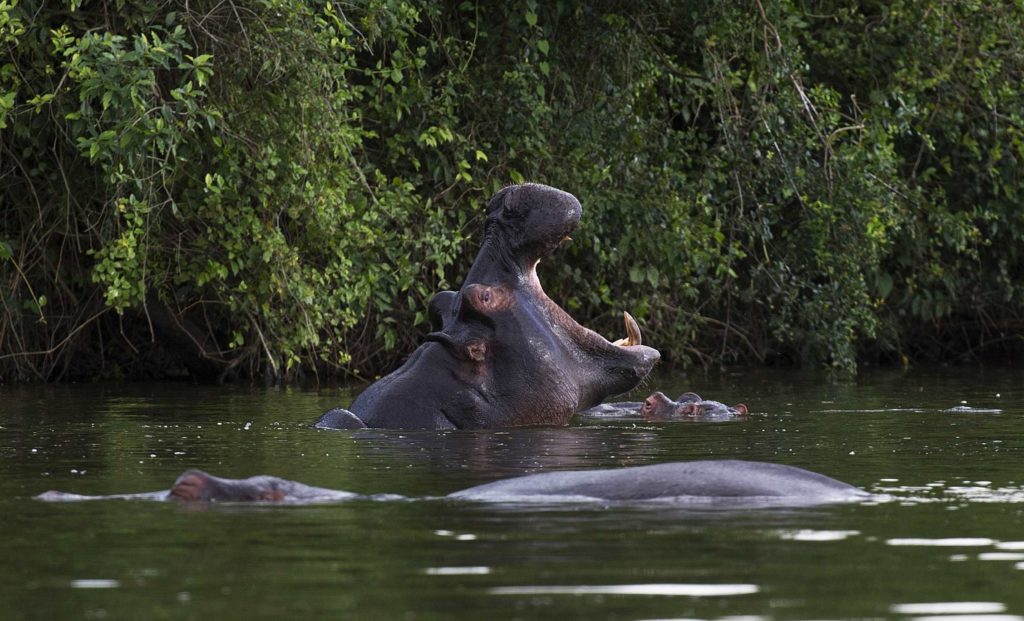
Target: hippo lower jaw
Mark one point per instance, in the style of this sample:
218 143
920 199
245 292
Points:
613 367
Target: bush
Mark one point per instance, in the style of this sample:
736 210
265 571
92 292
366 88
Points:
277 188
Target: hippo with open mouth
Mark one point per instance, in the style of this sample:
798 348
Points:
502 353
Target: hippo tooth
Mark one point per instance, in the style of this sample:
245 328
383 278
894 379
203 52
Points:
632 332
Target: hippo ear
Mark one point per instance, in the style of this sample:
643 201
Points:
688 397
439 308
501 201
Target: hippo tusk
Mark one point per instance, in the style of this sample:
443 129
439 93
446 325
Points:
632 332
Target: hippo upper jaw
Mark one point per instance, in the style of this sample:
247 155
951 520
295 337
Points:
525 224
530 221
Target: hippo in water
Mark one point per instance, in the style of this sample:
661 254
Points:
501 353
659 408
689 406
729 481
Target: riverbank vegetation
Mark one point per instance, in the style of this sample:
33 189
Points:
274 189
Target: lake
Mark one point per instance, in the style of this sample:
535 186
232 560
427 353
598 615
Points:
946 445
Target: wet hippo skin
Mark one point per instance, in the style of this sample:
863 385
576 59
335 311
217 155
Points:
659 408
689 406
707 479
723 480
501 353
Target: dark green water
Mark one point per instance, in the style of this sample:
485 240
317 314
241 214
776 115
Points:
950 540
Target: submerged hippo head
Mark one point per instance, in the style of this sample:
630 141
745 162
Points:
689 406
501 352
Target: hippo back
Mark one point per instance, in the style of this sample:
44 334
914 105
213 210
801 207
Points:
710 480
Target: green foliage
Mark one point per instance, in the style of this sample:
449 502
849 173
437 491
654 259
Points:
278 188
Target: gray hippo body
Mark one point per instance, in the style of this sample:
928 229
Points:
689 481
711 481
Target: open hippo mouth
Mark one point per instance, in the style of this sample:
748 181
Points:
525 224
556 216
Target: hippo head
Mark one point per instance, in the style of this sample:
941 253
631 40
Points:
689 405
658 407
512 338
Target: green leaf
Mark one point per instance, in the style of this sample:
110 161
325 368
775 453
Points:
543 46
396 75
652 275
883 285
531 18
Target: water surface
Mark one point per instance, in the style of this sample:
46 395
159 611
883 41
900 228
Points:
945 444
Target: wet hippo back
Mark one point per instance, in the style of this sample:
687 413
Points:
710 479
729 482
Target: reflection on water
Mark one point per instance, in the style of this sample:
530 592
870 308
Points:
944 447
940 491
687 590
948 608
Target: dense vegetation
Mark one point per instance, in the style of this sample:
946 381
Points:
276 188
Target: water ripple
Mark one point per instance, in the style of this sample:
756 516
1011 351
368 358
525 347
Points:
686 590
947 608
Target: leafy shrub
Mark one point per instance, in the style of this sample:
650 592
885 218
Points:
277 188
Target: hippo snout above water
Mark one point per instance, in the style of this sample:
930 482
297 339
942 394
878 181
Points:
689 406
